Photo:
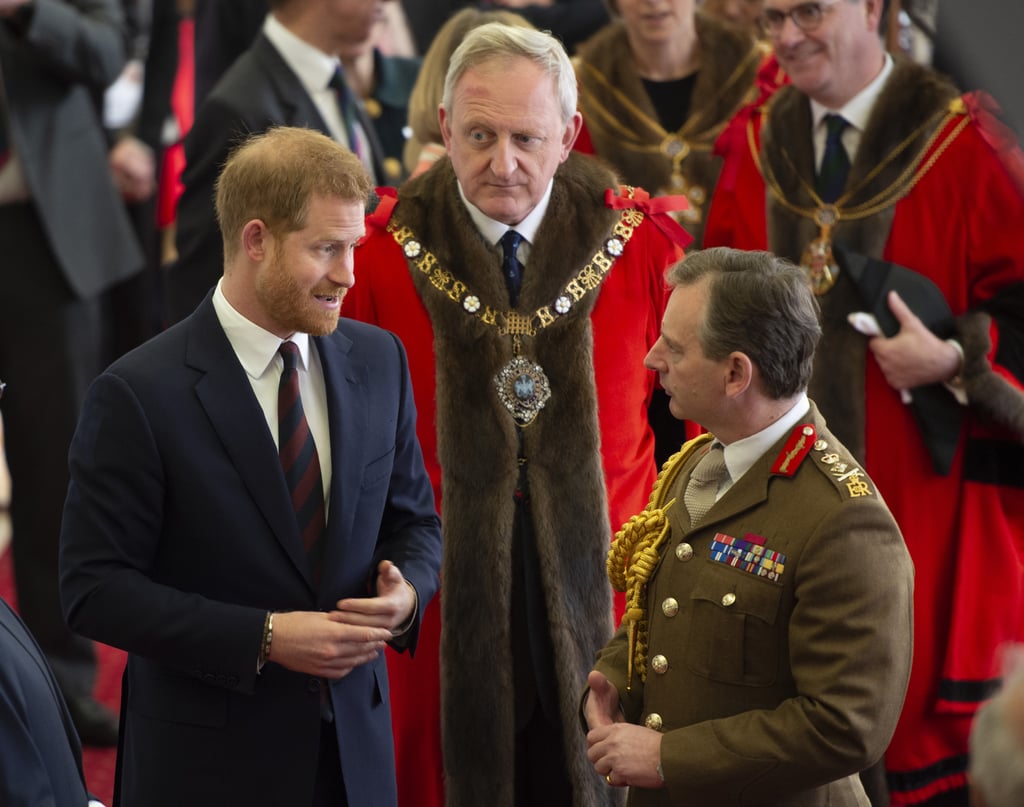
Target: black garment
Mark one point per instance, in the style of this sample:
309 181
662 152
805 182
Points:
541 779
329 785
671 100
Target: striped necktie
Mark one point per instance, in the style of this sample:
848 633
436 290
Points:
835 162
299 458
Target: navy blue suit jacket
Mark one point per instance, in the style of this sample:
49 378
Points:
179 535
40 757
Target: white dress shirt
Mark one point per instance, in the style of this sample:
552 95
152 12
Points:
256 349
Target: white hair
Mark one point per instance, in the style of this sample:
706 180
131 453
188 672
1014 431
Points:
496 41
997 745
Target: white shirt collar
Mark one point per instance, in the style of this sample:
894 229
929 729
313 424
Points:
857 110
742 454
493 230
255 347
314 68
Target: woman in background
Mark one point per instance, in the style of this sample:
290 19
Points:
657 86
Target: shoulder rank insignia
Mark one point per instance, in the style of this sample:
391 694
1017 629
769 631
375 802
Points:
799 444
843 473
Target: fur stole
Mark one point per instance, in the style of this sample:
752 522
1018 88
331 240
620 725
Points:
912 101
478 447
624 126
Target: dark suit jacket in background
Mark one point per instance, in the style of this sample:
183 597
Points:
179 535
257 92
40 757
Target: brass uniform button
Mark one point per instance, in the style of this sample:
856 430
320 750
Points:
728 599
653 721
670 607
684 552
659 664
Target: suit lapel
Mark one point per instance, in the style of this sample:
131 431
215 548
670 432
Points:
284 86
348 416
750 491
752 488
226 395
299 109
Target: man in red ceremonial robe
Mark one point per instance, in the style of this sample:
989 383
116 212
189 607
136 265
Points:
532 406
930 187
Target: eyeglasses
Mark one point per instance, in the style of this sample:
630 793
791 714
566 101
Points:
806 16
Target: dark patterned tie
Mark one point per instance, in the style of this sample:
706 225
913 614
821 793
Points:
299 458
510 264
702 487
835 162
347 106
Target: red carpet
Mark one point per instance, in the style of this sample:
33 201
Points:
99 762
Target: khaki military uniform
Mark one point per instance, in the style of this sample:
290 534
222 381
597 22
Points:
779 634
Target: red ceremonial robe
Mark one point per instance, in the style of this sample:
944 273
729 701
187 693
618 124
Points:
625 322
960 225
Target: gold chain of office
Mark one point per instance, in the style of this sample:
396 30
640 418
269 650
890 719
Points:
675 146
521 384
900 187
817 260
513 323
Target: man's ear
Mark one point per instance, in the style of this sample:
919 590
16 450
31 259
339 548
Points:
739 373
572 131
256 240
874 10
445 124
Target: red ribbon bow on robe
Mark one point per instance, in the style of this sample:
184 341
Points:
984 111
657 209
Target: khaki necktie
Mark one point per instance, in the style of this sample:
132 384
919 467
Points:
704 481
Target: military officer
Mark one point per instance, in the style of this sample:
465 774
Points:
766 647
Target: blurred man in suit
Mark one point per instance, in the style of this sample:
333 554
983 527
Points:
65 239
290 76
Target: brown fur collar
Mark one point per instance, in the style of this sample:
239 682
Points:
994 398
623 123
912 97
477 447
